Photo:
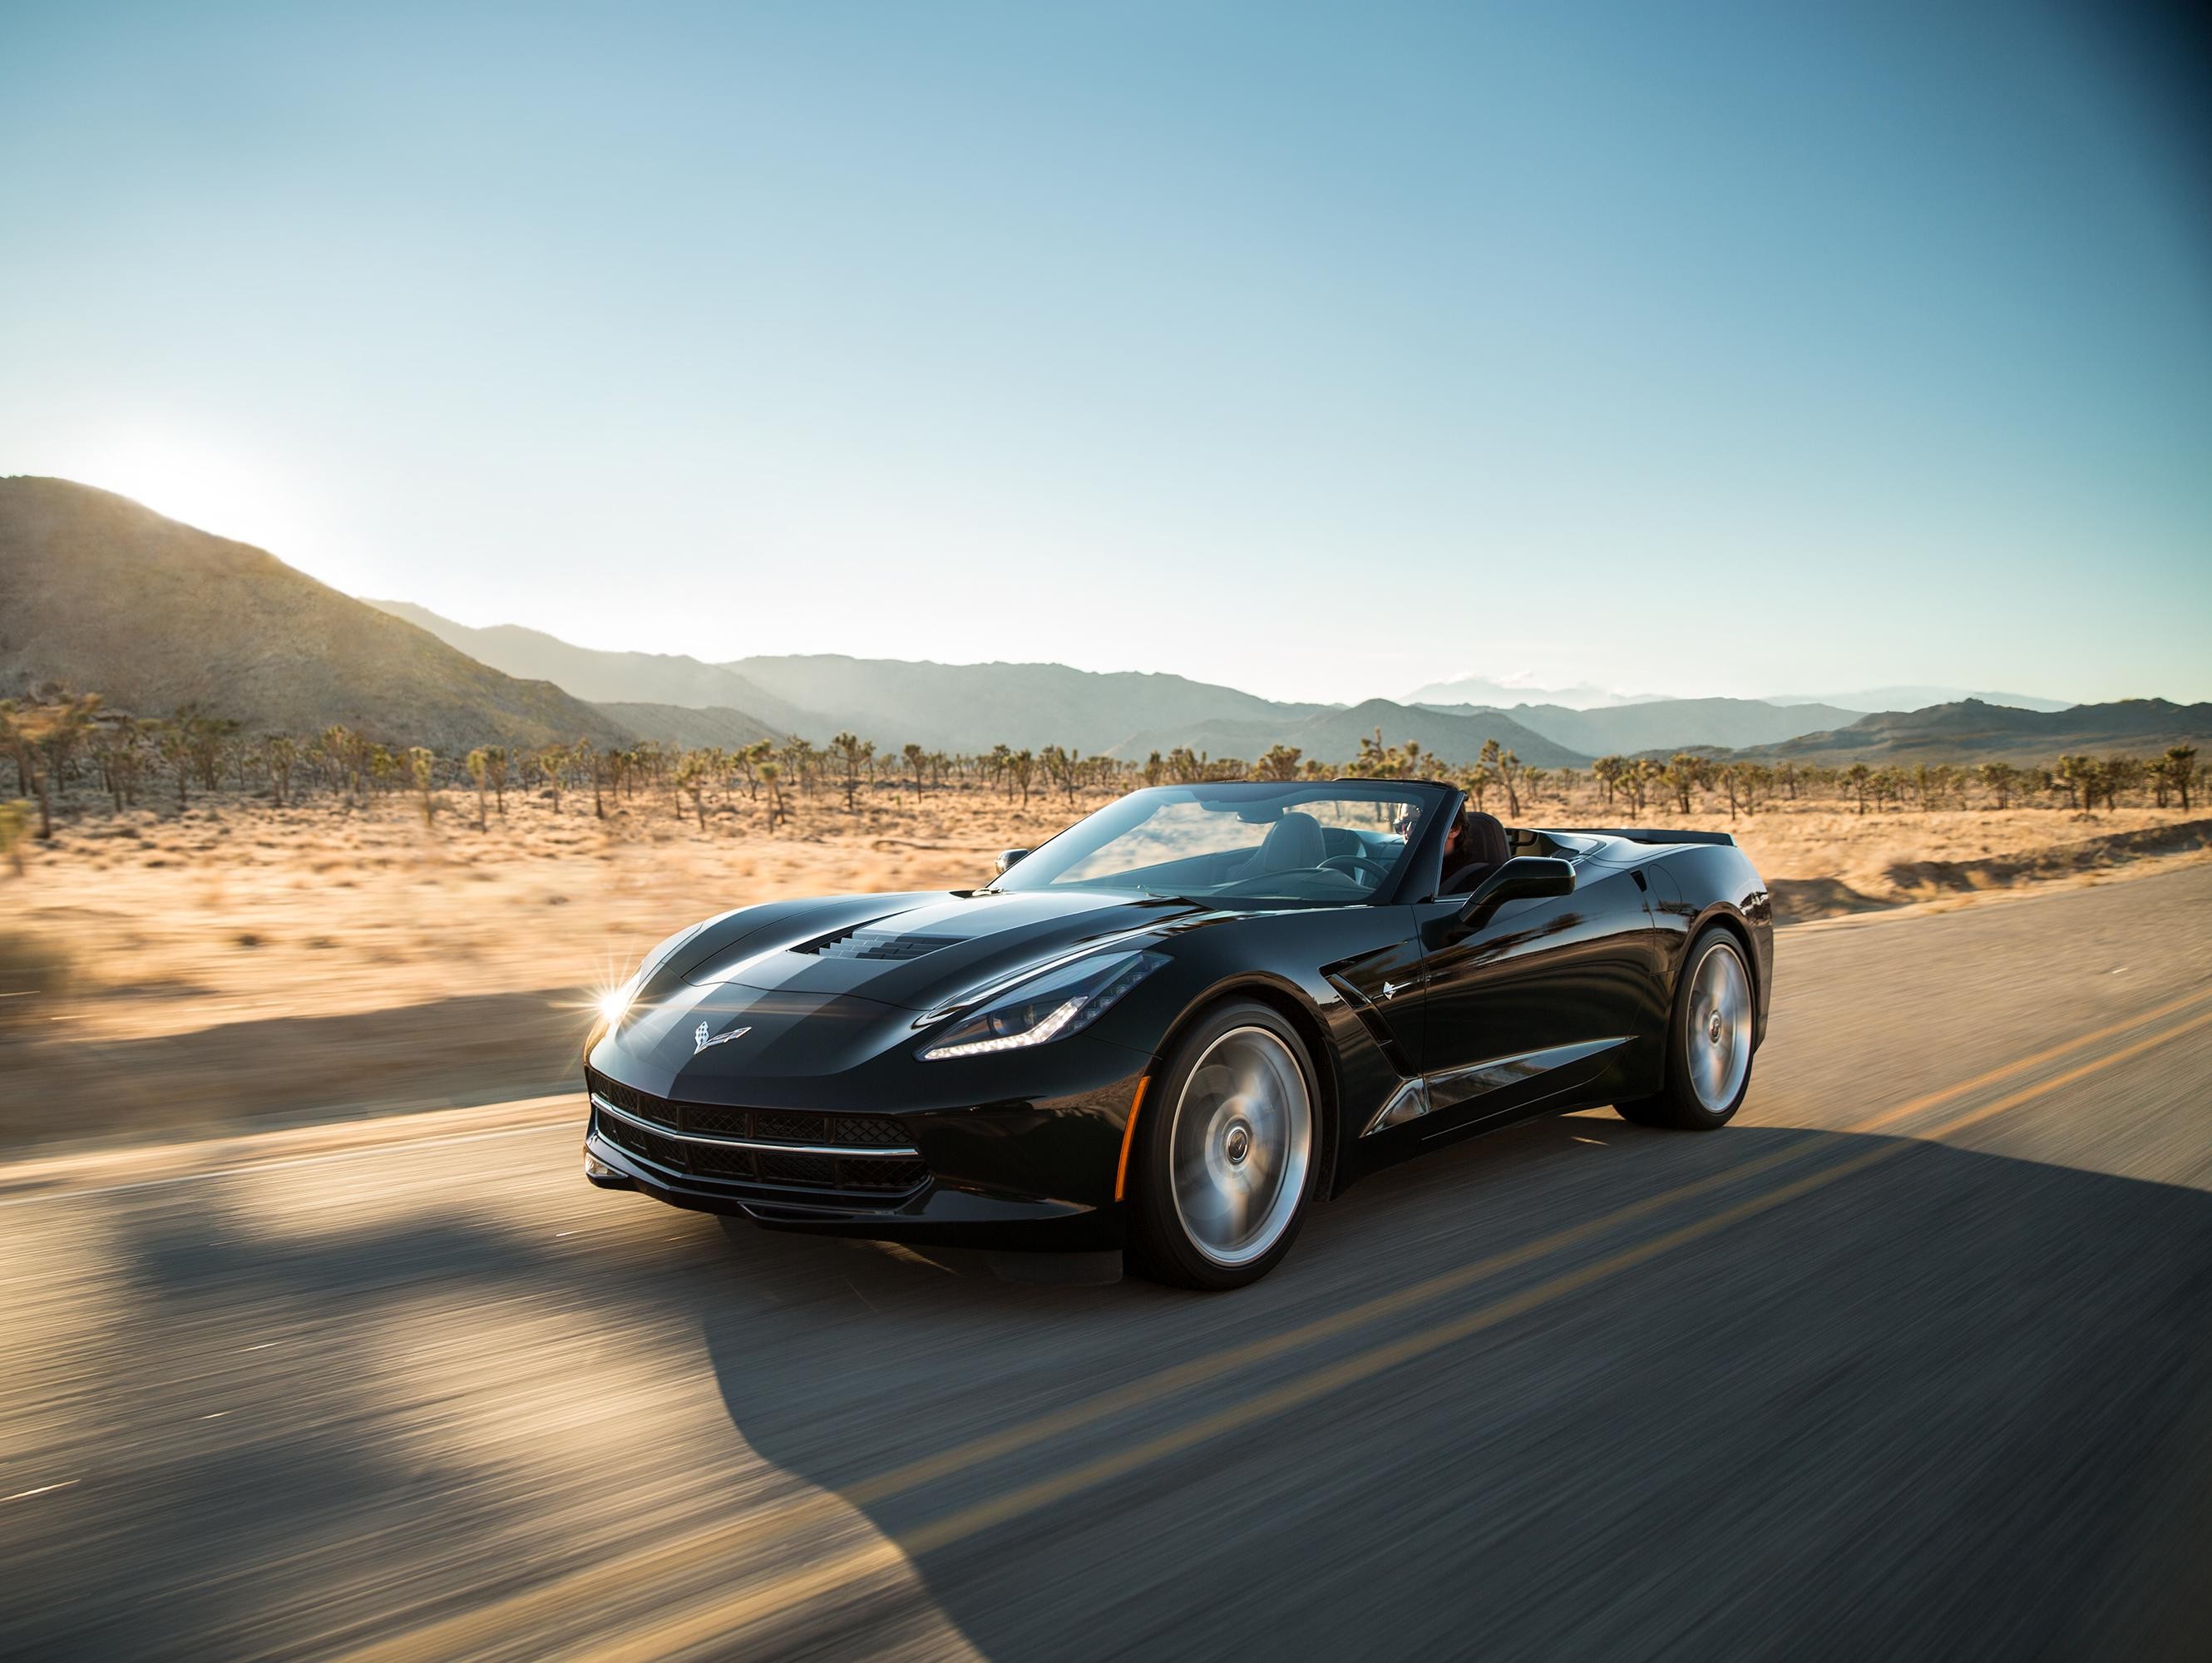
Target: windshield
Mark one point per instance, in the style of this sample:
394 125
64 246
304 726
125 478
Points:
1336 843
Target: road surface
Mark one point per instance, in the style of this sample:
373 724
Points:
1914 1360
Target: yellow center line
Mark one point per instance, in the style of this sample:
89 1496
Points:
724 1544
713 1620
1377 1359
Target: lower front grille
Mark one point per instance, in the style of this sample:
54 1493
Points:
681 1138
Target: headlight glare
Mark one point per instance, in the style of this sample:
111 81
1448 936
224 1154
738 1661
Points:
615 1006
1061 1002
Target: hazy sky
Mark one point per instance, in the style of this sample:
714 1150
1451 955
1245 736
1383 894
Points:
1324 351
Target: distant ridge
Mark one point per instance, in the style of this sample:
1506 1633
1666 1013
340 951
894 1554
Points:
1674 723
973 707
1973 731
108 596
686 729
1487 694
610 678
1913 697
1332 736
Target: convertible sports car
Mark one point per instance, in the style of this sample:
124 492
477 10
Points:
1180 1023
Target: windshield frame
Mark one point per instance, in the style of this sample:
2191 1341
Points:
1420 852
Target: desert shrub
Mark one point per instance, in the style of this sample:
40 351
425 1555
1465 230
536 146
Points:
34 979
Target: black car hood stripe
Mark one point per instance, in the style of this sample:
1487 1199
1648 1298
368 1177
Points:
975 938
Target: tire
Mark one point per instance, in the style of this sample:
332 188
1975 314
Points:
1224 1164
1708 1040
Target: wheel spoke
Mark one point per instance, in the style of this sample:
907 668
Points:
1239 1145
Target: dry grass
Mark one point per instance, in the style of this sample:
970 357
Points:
240 961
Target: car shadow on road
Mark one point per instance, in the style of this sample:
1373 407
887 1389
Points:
1956 1402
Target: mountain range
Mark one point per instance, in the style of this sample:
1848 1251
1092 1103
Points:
1970 730
103 594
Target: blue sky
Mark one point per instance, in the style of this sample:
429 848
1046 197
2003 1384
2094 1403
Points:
1324 351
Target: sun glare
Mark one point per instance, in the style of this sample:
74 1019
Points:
208 486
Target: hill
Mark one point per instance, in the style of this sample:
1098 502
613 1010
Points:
1919 697
1333 735
109 596
1486 695
972 706
1971 732
1676 724
692 730
611 678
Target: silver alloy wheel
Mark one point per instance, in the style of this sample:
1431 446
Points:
1239 1146
1717 1045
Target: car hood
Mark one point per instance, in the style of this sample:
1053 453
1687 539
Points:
917 952
798 989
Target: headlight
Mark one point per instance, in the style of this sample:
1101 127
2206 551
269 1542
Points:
614 1006
1059 1003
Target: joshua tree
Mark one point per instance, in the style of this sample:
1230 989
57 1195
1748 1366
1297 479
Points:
852 751
2000 779
479 772
1506 767
552 766
2077 777
422 763
174 746
771 774
1607 771
691 781
1684 773
1022 767
20 729
14 818
2180 768
1861 779
1277 762
280 753
495 770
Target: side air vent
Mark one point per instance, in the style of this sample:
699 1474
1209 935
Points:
876 943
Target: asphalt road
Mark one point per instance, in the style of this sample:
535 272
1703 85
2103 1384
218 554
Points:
1913 1359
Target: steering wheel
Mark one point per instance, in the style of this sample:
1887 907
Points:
1344 862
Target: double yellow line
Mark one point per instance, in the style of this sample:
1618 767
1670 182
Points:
722 1547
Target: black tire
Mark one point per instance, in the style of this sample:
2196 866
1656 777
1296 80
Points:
1709 1032
1205 1232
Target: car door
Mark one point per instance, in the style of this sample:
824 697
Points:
1533 1004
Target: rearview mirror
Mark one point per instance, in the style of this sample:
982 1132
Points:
1007 858
1523 876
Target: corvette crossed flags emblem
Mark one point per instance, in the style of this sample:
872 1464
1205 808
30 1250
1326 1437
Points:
700 1042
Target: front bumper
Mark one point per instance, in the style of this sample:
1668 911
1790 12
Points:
937 1214
1019 1174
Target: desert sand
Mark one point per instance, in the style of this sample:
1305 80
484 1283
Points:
244 963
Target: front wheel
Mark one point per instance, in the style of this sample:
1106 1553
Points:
1708 1040
1226 1152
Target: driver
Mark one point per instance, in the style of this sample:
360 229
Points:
1473 843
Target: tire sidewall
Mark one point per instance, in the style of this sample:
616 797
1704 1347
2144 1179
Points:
1688 1110
1159 1243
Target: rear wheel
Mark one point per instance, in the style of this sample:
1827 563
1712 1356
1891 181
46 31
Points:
1224 1152
1708 1040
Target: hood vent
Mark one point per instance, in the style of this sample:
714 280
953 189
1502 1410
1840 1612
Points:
876 944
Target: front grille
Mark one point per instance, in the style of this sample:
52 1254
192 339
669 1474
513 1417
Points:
865 1179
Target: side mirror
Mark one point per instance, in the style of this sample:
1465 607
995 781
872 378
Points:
1008 858
1523 876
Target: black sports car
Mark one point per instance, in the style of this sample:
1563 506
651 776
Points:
1180 1021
